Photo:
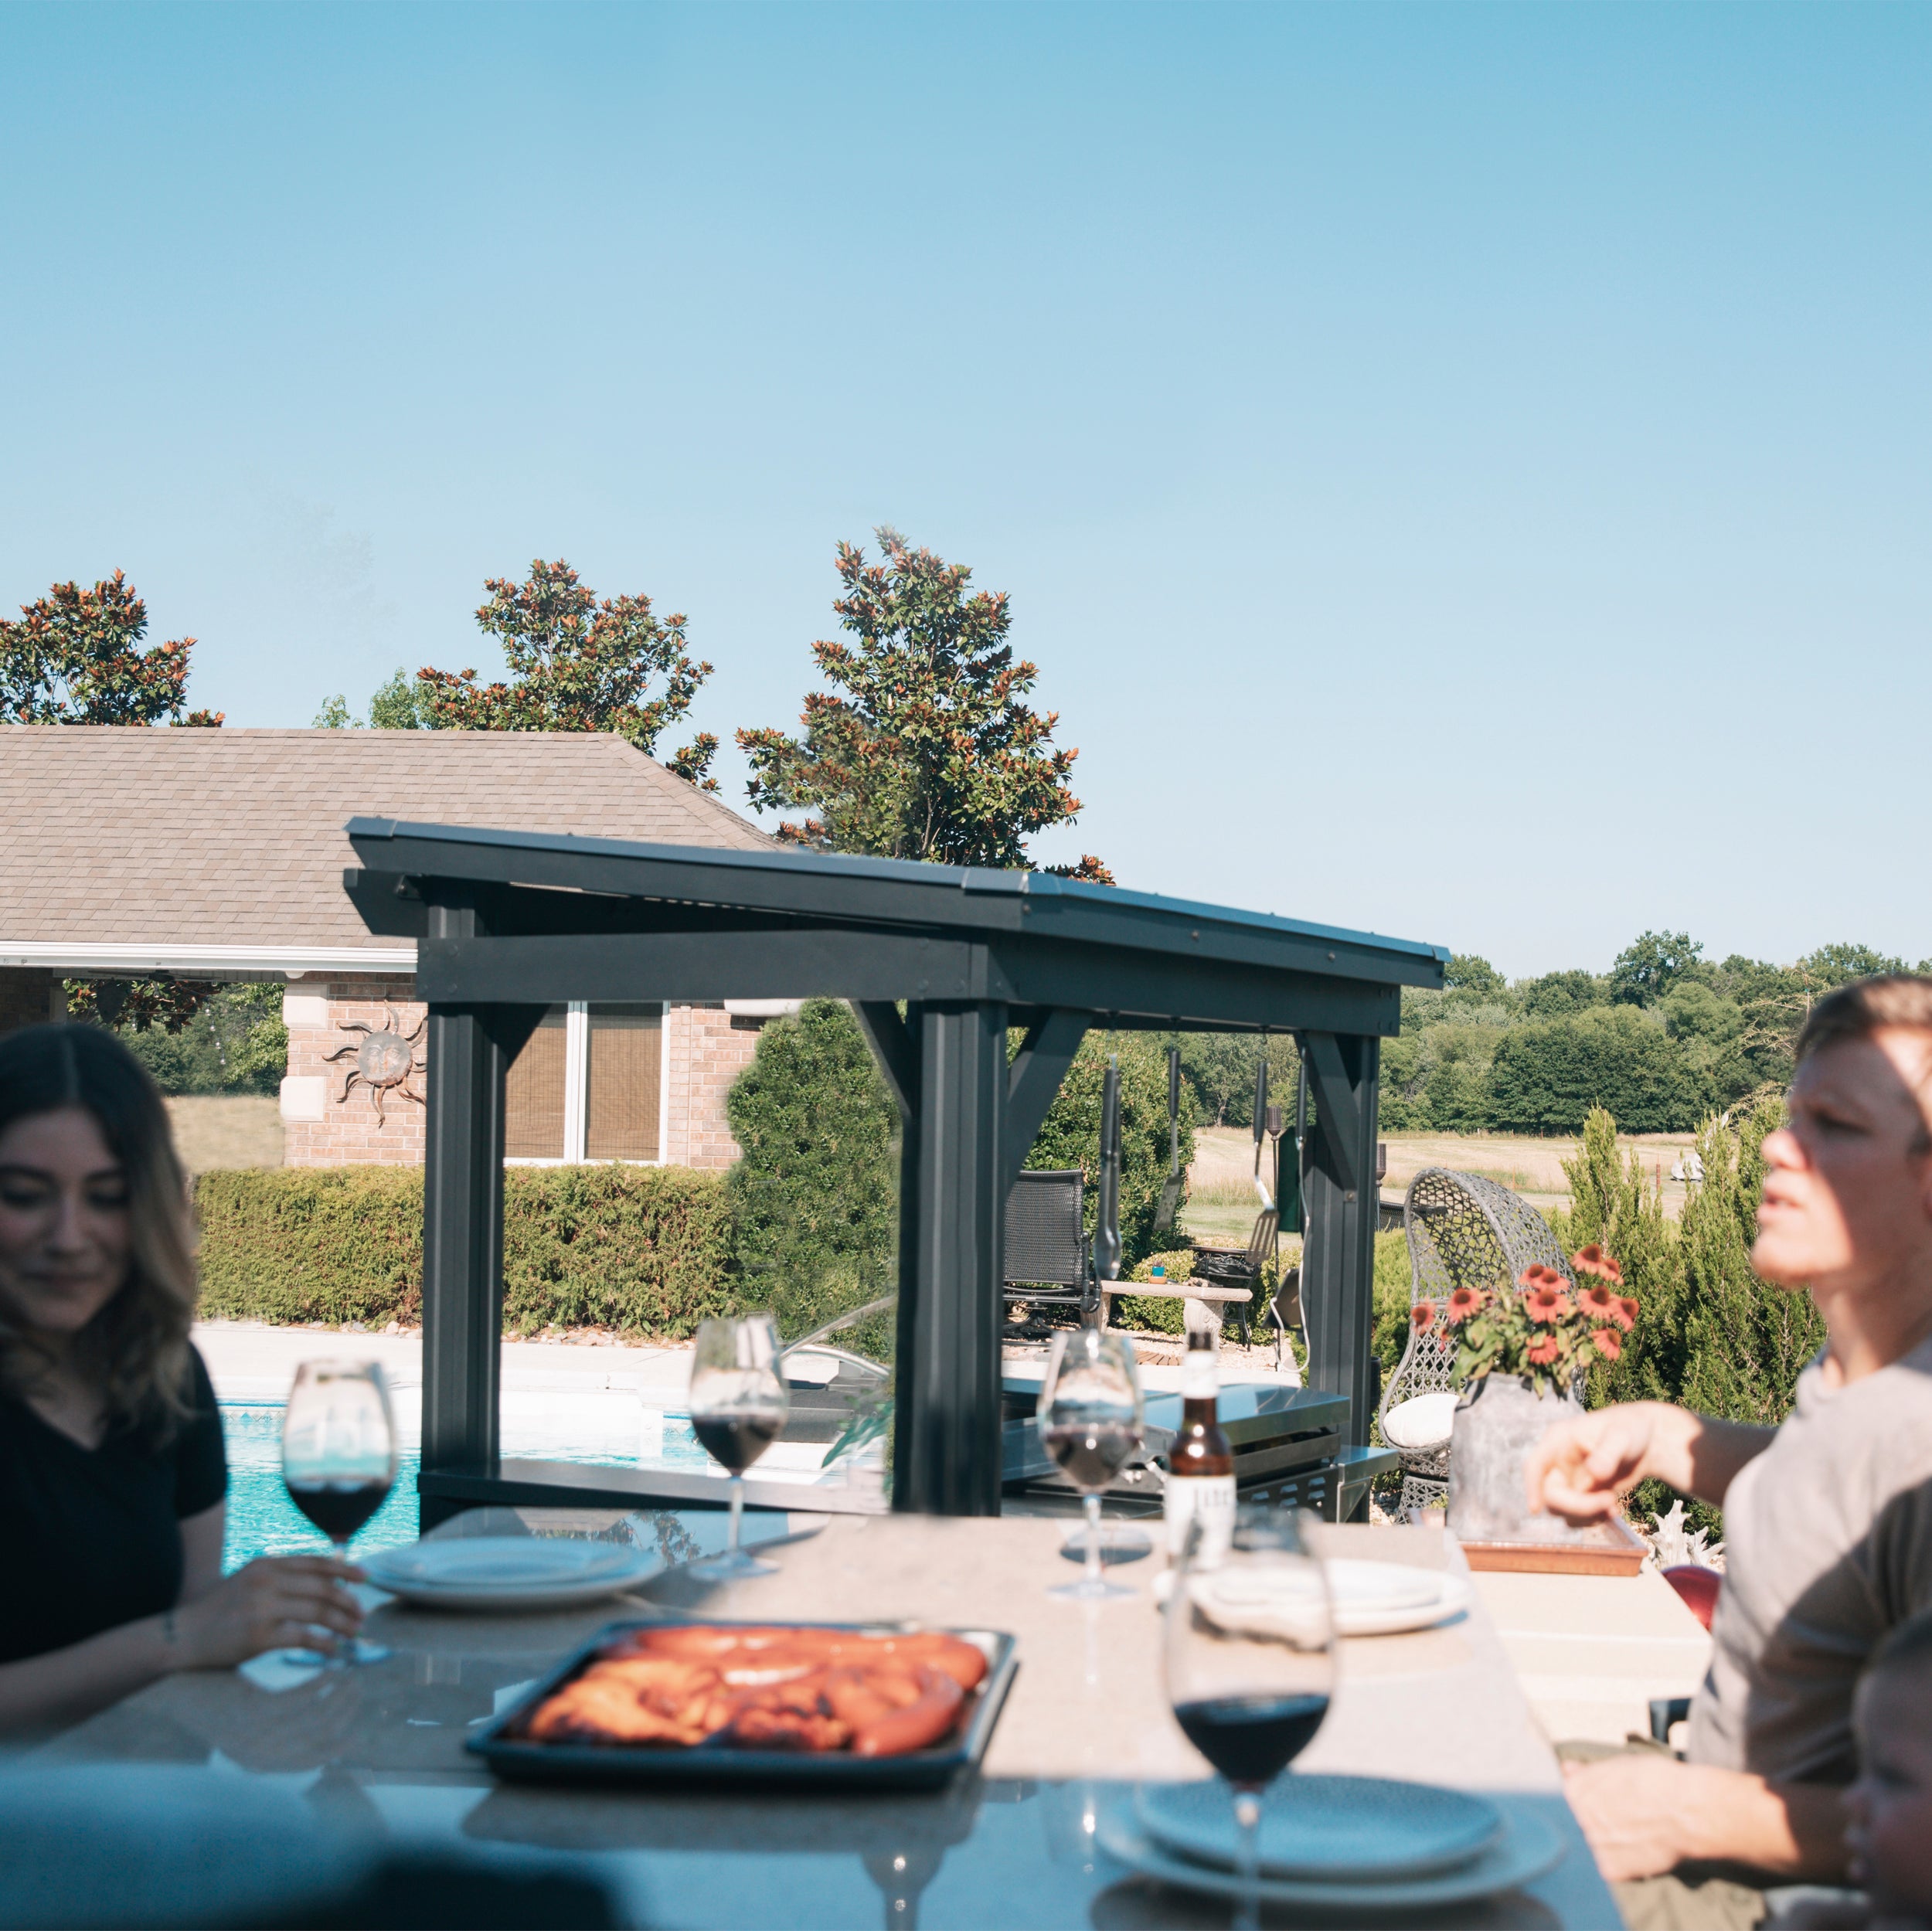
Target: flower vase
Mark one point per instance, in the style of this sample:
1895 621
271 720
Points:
1498 1421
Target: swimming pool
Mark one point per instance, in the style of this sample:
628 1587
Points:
262 1521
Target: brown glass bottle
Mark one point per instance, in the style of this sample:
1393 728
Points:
1200 1462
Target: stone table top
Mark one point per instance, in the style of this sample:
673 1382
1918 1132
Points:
1085 1718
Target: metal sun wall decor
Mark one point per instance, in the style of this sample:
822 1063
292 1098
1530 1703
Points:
385 1060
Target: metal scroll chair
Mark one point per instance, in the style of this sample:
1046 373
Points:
1229 1269
1046 1247
1463 1231
1284 1311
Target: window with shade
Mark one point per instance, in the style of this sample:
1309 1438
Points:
588 1085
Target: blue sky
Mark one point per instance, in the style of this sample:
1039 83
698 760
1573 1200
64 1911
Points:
1462 471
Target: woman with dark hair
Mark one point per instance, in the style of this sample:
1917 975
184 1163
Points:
112 1471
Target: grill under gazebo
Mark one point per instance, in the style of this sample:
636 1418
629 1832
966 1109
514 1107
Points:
938 962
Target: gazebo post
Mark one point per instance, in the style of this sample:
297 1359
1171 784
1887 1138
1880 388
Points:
946 1458
469 1051
1340 1201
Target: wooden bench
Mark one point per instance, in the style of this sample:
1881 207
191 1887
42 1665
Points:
1204 1291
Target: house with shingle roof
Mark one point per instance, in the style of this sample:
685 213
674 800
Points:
219 854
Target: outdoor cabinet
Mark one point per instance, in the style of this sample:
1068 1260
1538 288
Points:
939 962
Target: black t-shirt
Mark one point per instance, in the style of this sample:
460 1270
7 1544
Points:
92 1536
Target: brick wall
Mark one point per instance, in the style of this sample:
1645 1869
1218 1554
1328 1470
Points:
706 1048
320 1127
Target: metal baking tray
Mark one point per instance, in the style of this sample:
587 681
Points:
511 1755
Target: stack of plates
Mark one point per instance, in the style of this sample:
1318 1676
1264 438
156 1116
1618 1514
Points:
1347 1844
508 1573
1367 1599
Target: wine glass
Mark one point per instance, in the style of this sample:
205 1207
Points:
339 1457
1090 1423
1250 1646
739 1403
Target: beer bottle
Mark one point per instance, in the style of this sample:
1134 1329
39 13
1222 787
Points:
1200 1463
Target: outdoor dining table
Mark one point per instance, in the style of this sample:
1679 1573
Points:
381 1746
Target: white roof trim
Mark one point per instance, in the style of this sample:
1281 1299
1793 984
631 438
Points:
205 961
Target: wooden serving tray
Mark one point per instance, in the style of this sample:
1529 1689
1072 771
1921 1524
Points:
1610 1548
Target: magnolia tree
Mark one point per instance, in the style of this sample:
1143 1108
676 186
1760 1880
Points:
75 657
923 747
576 665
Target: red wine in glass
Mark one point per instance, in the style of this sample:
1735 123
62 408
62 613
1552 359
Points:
1252 1740
740 1402
1090 1457
735 1442
1250 1646
338 1509
338 1456
1090 1413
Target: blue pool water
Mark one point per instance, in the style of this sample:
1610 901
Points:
262 1521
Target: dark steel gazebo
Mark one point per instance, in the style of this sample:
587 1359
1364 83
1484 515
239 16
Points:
509 923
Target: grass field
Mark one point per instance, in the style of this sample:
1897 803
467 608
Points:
1222 1202
223 1131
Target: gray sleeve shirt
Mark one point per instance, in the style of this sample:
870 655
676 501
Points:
1827 1543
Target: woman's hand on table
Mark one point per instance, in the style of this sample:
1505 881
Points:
278 1601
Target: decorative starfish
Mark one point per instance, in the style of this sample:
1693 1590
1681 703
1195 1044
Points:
385 1060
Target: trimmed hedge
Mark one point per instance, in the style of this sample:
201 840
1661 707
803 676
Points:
645 1250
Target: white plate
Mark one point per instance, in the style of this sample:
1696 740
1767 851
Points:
1368 1599
1527 1848
1382 1599
1327 1830
509 1571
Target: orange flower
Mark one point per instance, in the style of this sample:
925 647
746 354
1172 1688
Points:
1625 1314
1422 1317
1463 1302
1537 1275
1545 1304
1593 1260
1607 1343
1597 1301
1544 1352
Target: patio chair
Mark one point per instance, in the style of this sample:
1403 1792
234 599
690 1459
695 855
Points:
1230 1270
1463 1231
1048 1262
1284 1311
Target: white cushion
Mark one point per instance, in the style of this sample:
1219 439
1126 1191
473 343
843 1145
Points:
1424 1422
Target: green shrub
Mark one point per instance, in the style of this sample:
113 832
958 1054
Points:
645 1250
1071 1135
235 1043
1389 1334
1613 1205
814 1199
1746 1341
1161 1316
1546 1076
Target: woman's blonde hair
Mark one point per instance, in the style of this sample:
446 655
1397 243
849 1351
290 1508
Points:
136 1348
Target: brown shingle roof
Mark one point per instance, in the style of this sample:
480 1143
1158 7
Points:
136 836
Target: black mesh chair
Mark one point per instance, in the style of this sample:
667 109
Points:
1047 1260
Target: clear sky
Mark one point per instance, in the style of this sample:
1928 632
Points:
1465 471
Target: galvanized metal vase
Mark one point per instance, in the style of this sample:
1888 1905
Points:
1498 1421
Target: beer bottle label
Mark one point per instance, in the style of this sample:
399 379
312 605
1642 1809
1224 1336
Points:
1211 1499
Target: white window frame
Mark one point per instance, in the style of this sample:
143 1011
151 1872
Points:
576 1087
